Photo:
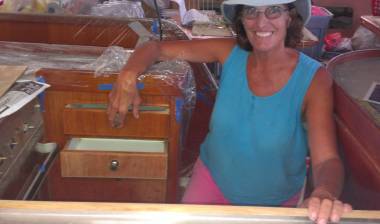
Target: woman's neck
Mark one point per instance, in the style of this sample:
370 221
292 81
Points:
271 58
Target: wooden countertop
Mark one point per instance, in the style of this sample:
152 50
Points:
39 211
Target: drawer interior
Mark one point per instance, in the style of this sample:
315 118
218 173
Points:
117 145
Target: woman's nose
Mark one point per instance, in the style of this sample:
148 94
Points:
261 19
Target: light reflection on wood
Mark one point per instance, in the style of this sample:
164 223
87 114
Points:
82 213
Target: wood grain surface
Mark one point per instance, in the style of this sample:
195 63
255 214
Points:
205 210
8 75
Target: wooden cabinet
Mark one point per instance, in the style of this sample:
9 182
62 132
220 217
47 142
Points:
70 87
75 109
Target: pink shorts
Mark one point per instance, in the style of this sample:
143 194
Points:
202 189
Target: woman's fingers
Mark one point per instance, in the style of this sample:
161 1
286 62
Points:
337 211
122 95
325 211
313 205
321 211
347 208
136 104
112 108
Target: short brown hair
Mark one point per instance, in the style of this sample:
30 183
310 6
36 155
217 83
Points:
293 33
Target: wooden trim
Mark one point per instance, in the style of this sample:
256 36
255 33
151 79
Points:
369 23
199 210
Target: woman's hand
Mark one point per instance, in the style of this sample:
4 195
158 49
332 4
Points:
123 94
322 208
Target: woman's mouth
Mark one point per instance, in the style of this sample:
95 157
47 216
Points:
264 34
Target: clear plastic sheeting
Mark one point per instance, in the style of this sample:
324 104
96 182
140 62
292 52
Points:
48 6
115 8
37 56
175 73
112 60
102 61
162 4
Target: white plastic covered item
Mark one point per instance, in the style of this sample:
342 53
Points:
24 5
48 6
112 60
123 8
364 39
175 73
162 4
76 6
37 56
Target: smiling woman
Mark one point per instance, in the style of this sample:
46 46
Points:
273 88
256 149
294 29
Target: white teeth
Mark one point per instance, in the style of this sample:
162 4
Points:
263 34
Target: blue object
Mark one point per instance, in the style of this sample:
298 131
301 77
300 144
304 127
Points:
318 26
108 86
42 168
178 109
155 27
105 86
256 148
41 96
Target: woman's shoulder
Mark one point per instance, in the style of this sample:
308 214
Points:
321 85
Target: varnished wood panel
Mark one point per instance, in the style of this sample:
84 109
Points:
60 213
360 137
98 164
72 87
104 189
361 188
94 122
78 30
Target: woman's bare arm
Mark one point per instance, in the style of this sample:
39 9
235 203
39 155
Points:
124 92
328 173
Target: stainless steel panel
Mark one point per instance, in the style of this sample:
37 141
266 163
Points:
19 134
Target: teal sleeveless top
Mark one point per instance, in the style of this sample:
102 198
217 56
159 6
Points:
257 146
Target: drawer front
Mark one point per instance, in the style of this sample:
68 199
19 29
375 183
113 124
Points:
113 164
94 122
109 190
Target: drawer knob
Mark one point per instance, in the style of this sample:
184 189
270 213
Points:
114 165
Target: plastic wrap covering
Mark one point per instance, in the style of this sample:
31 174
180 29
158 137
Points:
175 73
112 60
183 78
116 8
101 60
37 56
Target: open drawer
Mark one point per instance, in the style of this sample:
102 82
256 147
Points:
92 120
114 158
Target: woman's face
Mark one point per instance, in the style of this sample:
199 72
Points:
266 26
